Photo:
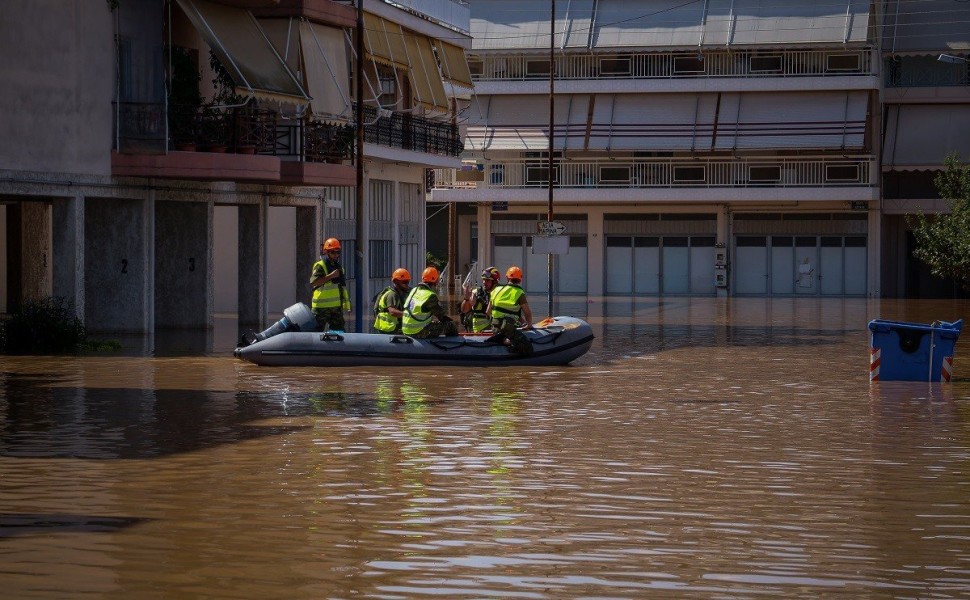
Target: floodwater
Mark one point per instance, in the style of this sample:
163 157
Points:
703 448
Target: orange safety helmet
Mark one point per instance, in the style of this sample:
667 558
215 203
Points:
430 275
514 273
401 275
491 273
331 244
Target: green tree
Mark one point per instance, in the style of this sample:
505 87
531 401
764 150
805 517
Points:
943 240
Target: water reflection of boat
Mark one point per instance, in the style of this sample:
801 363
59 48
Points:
556 341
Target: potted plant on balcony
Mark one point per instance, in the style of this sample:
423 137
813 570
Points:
184 98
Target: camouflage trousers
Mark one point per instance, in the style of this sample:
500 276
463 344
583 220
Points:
329 318
437 328
507 329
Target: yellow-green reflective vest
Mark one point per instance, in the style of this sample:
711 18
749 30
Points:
479 320
384 321
505 301
328 294
416 318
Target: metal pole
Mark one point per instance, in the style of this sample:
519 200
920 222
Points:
359 120
552 135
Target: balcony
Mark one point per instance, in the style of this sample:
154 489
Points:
683 179
234 144
673 65
925 71
400 130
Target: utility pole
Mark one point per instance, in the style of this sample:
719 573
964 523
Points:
360 220
552 135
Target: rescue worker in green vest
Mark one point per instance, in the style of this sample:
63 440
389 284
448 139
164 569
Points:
508 306
423 315
330 297
473 306
388 307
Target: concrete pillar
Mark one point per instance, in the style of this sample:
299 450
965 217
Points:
36 258
183 264
307 247
118 265
874 248
596 253
68 240
724 237
484 234
252 264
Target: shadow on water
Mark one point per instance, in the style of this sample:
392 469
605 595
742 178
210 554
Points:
38 420
23 524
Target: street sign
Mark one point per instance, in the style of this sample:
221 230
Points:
550 228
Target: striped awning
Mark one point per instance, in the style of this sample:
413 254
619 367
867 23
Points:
920 136
792 120
522 123
244 50
319 54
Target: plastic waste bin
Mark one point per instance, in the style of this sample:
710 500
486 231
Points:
912 351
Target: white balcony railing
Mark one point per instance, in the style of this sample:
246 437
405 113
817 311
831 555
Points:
761 63
842 171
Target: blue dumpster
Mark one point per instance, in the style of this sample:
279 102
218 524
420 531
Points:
912 351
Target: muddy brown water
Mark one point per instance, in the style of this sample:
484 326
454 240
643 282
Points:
703 448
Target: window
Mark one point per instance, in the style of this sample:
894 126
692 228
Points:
536 68
842 173
766 64
387 86
689 174
496 174
842 62
688 65
764 174
618 174
476 67
537 174
617 65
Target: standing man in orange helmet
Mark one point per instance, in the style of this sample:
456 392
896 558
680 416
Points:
388 306
329 288
423 315
507 306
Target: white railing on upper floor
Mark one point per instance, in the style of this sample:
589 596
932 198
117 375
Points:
835 171
739 63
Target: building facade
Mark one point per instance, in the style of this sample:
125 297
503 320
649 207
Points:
723 147
169 160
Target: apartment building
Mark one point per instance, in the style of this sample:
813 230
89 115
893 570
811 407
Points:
717 147
168 160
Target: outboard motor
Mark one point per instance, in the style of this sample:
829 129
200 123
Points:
295 318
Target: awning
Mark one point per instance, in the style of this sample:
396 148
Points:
384 42
244 50
524 24
718 23
319 55
454 66
919 136
652 122
790 120
522 123
427 87
928 26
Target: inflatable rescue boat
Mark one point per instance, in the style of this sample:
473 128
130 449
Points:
291 342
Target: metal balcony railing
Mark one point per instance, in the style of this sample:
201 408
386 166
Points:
736 63
400 130
838 171
309 141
